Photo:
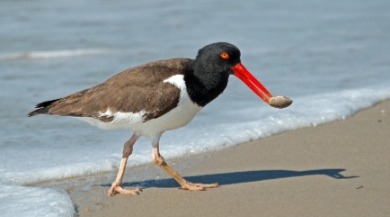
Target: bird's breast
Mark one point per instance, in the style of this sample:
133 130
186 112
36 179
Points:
178 116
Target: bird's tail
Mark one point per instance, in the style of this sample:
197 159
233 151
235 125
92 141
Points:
42 108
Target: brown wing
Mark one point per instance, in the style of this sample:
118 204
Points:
133 90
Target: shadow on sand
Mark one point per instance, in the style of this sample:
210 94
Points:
238 177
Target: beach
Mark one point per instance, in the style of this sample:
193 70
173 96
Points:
310 159
334 169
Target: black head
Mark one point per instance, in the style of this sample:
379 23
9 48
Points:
218 57
211 69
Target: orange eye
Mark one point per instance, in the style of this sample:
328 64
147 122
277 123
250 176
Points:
224 56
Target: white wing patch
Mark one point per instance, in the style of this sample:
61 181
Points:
128 117
121 120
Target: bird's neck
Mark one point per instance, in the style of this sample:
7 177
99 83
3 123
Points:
204 85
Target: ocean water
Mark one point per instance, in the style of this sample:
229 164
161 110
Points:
331 57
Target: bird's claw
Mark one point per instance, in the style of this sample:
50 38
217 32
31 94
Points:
117 189
198 186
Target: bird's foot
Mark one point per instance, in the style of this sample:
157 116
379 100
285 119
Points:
117 189
198 186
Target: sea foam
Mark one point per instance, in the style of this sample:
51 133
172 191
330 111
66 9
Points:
34 201
31 55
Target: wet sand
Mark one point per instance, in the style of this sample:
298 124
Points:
336 169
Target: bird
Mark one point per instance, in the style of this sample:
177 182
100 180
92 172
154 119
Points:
158 96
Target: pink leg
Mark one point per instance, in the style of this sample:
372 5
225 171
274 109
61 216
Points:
186 185
116 187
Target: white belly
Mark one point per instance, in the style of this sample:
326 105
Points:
177 117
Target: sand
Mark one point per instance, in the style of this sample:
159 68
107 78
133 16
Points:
336 169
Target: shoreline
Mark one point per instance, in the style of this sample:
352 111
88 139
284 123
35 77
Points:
334 169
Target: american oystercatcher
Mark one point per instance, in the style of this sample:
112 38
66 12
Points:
158 96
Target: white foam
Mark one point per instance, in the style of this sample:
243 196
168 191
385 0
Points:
34 201
306 111
31 55
211 130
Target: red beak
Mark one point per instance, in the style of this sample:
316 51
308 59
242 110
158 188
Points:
242 73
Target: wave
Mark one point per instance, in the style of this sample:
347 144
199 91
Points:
34 201
31 55
306 111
